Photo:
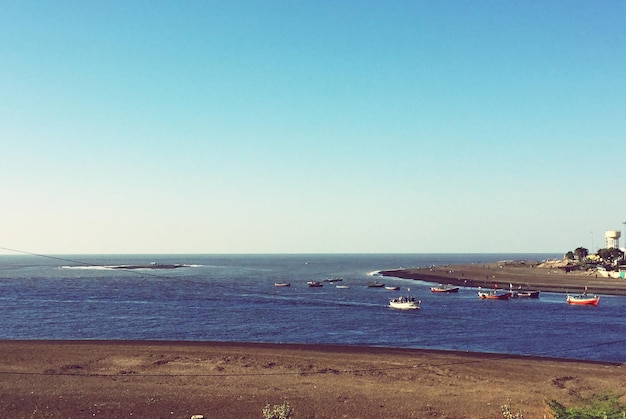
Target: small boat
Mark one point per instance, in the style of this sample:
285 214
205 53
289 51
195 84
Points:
315 284
342 286
444 288
405 303
520 293
282 284
391 288
583 299
494 294
525 294
331 280
375 284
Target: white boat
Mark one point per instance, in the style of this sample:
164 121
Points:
405 303
445 289
342 286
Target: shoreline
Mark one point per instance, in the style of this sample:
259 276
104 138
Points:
322 348
527 275
174 379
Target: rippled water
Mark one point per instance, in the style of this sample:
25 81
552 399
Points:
233 298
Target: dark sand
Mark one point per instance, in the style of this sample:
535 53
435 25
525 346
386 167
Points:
524 274
112 379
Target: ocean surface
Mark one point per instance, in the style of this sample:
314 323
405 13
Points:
233 298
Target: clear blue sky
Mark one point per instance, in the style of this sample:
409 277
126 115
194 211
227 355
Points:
319 126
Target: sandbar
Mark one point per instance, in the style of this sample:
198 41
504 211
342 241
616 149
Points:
525 274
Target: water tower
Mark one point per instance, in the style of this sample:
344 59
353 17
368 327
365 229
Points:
611 238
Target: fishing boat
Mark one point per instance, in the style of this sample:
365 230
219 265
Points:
315 284
392 288
525 294
494 294
282 284
405 303
583 299
444 288
375 284
520 293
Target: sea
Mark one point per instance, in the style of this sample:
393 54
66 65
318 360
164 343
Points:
233 298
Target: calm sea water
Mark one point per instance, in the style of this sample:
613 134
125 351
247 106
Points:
233 298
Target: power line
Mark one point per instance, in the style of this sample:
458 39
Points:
86 264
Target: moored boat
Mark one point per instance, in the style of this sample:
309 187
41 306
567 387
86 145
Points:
444 288
375 284
315 284
494 294
392 288
342 286
520 293
525 294
282 284
583 299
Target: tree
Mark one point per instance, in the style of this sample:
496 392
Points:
581 253
610 255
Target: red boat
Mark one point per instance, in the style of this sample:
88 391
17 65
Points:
494 294
583 299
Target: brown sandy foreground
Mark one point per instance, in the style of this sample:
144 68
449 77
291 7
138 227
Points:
117 379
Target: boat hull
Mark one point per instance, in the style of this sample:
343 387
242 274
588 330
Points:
525 294
406 305
583 300
494 296
445 290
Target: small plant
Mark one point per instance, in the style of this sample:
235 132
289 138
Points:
278 411
599 406
508 414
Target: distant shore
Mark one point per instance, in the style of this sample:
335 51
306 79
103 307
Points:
525 274
152 379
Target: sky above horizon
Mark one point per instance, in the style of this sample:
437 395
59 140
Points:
311 127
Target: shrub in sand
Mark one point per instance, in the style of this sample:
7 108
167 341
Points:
601 406
278 411
507 412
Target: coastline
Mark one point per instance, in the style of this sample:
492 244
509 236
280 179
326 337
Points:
527 275
224 379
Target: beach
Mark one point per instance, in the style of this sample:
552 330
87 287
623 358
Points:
525 274
148 379
174 379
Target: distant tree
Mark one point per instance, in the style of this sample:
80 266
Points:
610 255
581 253
569 255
